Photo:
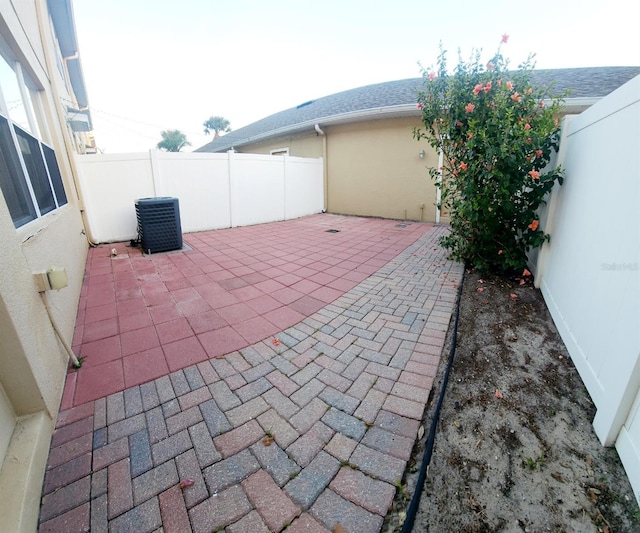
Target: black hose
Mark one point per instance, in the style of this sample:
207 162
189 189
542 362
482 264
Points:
415 499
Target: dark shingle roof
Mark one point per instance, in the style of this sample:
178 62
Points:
399 98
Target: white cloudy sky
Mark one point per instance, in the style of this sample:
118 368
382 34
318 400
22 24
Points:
151 65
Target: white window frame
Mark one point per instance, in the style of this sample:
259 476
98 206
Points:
37 136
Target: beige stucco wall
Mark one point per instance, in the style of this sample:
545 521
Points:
374 169
33 361
55 239
306 144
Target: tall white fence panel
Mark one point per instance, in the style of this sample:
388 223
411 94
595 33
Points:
302 192
214 190
201 183
589 273
109 184
257 192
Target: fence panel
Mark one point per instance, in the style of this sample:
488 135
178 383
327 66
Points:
589 273
201 183
304 187
215 190
257 189
110 184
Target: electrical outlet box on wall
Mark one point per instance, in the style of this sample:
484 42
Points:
42 281
53 279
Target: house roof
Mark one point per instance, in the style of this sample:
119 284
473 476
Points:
61 12
398 98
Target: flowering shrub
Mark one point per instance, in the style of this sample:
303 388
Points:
496 131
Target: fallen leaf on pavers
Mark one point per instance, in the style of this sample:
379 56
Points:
219 356
275 341
268 440
420 432
339 528
186 483
499 394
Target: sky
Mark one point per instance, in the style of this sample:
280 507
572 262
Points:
153 65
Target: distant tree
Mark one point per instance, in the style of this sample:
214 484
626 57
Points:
173 141
217 125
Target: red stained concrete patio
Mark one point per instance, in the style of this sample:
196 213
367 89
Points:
327 342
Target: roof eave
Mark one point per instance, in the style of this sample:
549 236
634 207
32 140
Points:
571 106
574 106
362 115
61 13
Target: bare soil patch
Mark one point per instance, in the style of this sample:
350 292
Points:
515 450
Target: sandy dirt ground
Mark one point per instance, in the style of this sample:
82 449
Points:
515 450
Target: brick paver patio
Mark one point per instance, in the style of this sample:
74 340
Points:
307 421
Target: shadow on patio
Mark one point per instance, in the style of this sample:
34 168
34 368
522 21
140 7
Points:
229 384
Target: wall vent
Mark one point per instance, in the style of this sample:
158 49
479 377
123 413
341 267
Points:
159 228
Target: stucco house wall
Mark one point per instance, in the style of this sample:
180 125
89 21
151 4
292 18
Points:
374 169
33 360
307 144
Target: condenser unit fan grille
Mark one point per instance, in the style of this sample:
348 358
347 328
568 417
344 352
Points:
159 228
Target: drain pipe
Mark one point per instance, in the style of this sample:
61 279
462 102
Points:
439 185
75 361
415 499
67 142
325 174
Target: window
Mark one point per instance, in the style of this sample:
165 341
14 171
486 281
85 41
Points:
30 178
12 181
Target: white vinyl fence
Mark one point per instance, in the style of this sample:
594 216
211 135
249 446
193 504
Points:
214 190
589 273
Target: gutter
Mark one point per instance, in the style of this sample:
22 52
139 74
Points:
402 110
572 106
325 172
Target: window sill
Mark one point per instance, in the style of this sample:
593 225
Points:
31 229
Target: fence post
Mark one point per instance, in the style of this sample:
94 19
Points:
285 167
232 192
155 172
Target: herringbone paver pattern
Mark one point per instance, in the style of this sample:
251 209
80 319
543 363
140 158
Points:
306 429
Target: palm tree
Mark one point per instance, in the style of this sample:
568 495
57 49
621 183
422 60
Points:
173 141
217 125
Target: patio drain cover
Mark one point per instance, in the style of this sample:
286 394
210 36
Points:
333 231
402 225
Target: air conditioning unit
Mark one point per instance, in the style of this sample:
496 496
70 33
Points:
159 228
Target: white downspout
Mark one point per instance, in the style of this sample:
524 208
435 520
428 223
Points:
325 174
439 185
